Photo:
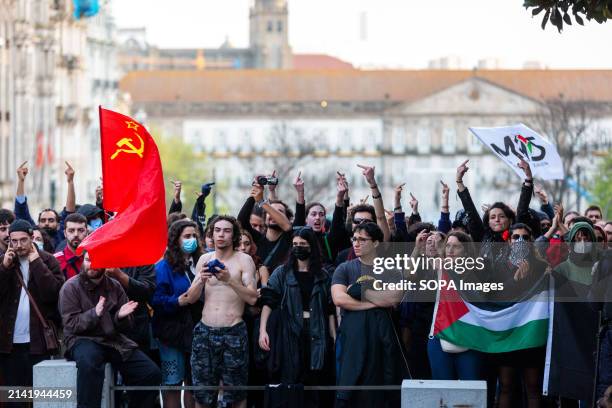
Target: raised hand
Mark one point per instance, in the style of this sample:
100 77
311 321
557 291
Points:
341 185
414 204
421 238
22 171
178 186
206 189
461 170
9 258
525 167
368 173
272 187
99 194
69 172
542 196
33 255
398 196
298 183
445 191
127 309
100 306
257 192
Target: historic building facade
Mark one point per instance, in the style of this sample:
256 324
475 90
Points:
54 71
412 125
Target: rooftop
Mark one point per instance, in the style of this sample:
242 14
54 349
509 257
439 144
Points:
302 85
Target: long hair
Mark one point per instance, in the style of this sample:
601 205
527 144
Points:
253 252
174 254
507 211
314 262
469 250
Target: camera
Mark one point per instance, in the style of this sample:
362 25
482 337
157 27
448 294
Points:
269 180
213 265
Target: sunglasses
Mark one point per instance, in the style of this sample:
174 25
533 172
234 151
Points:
519 236
361 220
299 228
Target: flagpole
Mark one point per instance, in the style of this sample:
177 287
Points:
102 155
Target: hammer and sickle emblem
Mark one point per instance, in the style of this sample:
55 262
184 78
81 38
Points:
132 149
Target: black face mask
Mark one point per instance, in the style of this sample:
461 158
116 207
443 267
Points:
301 253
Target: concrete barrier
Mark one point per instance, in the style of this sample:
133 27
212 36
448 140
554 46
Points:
62 374
444 394
56 374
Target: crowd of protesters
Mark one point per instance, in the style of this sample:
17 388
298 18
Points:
282 295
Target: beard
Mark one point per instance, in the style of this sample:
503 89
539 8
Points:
94 274
49 230
275 227
75 243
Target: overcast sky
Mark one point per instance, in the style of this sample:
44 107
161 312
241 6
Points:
398 33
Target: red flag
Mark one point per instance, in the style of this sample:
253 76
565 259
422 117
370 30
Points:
40 149
134 188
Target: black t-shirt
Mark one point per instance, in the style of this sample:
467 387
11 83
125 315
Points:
274 253
306 283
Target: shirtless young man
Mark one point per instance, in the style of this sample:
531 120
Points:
220 341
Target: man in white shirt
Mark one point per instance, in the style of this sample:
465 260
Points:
22 343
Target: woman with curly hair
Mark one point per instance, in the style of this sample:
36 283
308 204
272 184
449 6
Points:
174 317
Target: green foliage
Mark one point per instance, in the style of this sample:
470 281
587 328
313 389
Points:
559 12
181 163
601 187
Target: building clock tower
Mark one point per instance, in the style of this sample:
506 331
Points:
269 34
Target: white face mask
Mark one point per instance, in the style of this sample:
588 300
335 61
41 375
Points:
582 247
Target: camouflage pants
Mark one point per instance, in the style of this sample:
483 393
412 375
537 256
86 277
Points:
220 353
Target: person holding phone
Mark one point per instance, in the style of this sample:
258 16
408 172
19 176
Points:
22 342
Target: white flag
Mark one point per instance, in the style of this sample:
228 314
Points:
513 143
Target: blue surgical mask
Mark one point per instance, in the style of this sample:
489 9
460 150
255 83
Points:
189 245
95 223
40 245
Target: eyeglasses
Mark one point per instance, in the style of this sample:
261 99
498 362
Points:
519 236
22 241
360 240
361 220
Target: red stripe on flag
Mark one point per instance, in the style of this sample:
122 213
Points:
450 307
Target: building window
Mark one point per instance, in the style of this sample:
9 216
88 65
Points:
279 26
423 140
398 140
474 145
320 139
346 136
371 139
220 141
270 26
449 140
246 136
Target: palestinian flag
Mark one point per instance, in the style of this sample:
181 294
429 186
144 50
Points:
507 327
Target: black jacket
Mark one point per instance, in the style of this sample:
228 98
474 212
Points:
140 289
288 300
